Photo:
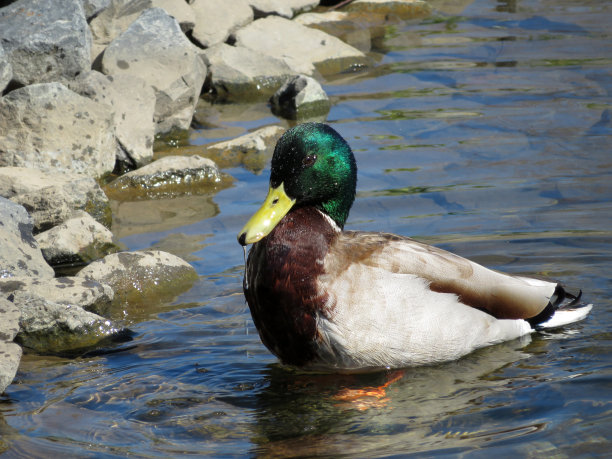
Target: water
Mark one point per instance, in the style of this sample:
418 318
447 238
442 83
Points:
485 130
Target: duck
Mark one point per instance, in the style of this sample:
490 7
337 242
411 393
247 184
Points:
327 299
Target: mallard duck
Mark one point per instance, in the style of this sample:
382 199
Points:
325 299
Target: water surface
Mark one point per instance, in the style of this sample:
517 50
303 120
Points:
486 130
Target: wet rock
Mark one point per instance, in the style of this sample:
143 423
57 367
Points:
284 8
181 11
52 198
301 97
77 241
154 48
133 102
251 150
303 49
47 126
10 353
141 277
19 252
217 19
240 74
6 70
397 9
87 294
48 327
167 176
45 40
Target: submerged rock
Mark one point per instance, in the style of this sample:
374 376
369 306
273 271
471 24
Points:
10 352
155 49
284 8
240 74
250 150
303 49
52 198
396 9
47 327
217 19
168 176
49 127
77 241
300 98
19 252
141 277
45 40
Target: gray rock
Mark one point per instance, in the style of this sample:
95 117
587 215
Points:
139 277
251 150
168 176
217 19
49 127
54 198
240 74
93 7
10 353
181 11
301 97
48 327
284 8
19 252
87 294
133 102
302 48
6 70
45 40
355 29
113 20
77 241
154 48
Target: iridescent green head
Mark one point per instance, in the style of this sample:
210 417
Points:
312 166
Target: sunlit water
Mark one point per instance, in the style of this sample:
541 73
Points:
485 130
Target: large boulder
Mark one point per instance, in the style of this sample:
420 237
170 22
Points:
303 49
181 11
19 252
6 70
52 198
168 176
77 241
45 40
47 126
154 48
133 102
10 353
87 294
239 74
141 277
284 8
217 19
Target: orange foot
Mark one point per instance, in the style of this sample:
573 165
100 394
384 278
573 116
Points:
368 397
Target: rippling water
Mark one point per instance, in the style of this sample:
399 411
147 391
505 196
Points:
485 129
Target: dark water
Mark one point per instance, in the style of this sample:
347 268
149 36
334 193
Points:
486 130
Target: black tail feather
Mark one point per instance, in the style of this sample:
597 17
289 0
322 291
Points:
560 299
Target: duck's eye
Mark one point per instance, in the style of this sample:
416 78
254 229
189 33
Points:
309 160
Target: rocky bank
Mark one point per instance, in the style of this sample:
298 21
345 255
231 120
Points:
87 86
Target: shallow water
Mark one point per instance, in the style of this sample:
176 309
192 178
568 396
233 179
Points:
486 130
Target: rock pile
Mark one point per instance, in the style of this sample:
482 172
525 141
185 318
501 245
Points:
86 86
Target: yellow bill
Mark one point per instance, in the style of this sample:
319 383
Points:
273 209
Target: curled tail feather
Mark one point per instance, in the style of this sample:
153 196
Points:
561 310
